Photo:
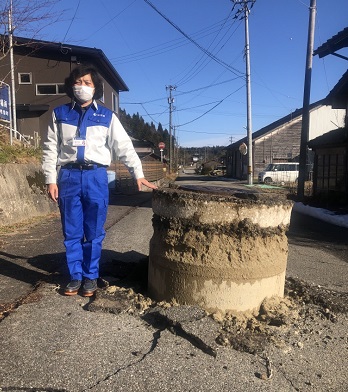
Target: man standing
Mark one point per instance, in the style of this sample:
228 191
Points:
79 142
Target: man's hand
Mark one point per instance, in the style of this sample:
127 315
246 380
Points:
143 181
52 190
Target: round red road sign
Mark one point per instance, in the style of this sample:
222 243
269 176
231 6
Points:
161 145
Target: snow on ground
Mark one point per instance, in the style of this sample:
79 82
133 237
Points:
322 214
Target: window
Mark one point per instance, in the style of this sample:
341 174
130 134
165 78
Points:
50 89
115 102
61 88
102 99
24 78
330 167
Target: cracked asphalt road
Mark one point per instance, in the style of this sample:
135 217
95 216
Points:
50 342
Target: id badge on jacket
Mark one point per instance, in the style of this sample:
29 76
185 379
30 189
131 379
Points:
79 142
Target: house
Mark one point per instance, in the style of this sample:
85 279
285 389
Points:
330 171
280 141
40 68
338 96
143 147
333 45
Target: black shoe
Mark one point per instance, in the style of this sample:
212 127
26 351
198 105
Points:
89 287
73 287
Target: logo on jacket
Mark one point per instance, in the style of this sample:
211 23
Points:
99 114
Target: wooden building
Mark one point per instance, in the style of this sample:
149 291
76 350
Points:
40 68
330 177
330 172
280 141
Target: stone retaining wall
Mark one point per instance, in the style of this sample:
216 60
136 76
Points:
23 193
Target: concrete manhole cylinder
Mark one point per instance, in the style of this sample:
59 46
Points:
220 248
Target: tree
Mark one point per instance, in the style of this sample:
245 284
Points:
137 128
28 18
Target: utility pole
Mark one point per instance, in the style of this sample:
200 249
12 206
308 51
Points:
306 102
175 148
171 108
244 11
13 129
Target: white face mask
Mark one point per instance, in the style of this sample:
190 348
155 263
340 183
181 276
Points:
83 93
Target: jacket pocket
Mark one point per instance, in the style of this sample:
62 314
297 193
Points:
98 119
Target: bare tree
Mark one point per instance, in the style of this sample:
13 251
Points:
28 18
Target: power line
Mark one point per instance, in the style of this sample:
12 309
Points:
165 47
183 92
72 20
197 68
207 133
219 103
210 85
110 20
148 114
227 66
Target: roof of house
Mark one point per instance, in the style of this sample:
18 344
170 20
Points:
332 138
332 45
338 96
142 143
71 53
276 124
153 157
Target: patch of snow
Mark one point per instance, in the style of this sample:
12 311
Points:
322 214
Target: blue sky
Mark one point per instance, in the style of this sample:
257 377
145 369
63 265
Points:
151 52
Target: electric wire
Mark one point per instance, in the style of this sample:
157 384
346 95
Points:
183 92
110 20
206 87
202 58
72 20
217 60
164 47
301 2
204 61
208 111
211 133
156 122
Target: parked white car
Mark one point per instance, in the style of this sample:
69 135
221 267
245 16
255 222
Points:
280 173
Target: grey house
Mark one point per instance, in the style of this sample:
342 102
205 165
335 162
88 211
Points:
280 140
40 68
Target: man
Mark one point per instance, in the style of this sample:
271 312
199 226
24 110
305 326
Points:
80 141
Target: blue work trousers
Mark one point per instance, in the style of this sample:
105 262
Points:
83 204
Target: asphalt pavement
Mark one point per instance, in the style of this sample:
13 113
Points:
50 342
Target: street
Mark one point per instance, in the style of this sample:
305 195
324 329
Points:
50 342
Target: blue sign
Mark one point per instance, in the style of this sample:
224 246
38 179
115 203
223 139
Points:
4 102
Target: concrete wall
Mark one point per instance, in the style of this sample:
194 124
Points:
23 193
221 249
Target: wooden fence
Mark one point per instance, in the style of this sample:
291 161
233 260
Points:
154 171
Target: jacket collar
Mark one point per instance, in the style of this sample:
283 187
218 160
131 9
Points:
74 103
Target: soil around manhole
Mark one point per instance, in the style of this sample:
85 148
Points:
279 322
